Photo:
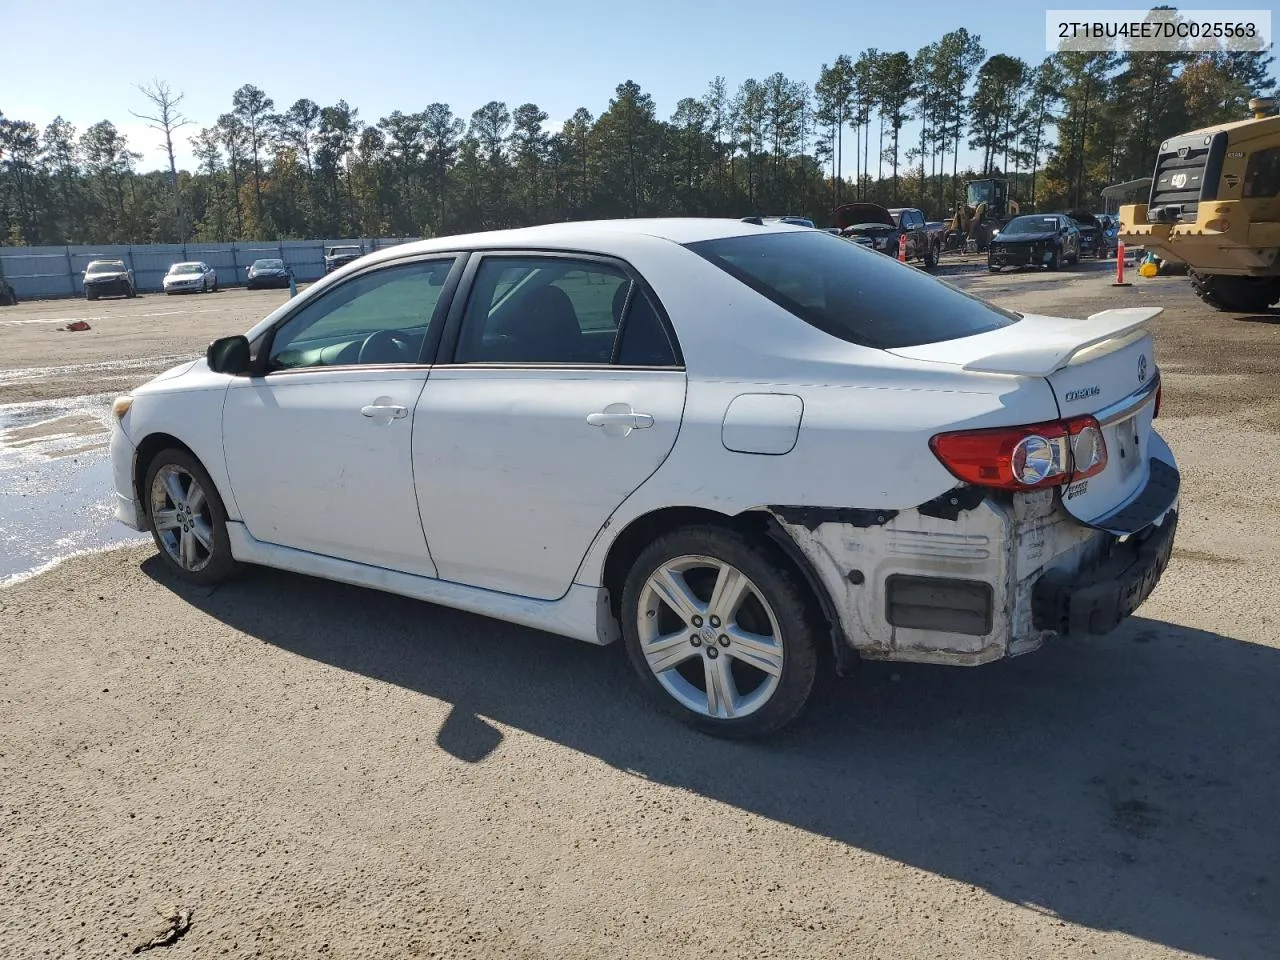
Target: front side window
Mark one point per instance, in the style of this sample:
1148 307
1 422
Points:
381 317
542 310
1262 176
852 293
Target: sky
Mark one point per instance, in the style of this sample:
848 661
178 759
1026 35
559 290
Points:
83 61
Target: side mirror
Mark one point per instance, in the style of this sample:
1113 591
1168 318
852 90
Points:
229 355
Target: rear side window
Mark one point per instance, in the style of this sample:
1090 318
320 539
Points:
852 293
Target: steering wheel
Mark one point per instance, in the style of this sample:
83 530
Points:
379 344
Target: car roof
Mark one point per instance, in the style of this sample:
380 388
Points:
599 236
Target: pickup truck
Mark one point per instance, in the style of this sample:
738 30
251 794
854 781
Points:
880 229
922 244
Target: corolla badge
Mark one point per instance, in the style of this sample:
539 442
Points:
1142 368
1083 393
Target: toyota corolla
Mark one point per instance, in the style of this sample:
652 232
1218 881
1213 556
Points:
751 453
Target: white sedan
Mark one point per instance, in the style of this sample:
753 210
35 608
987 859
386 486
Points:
751 452
194 276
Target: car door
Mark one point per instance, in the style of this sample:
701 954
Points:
563 392
317 441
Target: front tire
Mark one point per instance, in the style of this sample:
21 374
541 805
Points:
720 632
931 256
1236 294
187 518
1055 260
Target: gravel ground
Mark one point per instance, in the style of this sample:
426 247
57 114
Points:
314 770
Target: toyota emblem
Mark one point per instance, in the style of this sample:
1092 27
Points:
1142 368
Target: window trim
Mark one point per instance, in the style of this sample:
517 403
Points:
447 352
430 344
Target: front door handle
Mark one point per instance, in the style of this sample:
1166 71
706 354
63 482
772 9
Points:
384 410
636 421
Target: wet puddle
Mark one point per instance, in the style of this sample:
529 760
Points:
56 494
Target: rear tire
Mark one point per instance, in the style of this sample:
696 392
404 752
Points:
1236 294
187 518
767 639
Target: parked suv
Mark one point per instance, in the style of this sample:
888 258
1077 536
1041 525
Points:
105 278
336 257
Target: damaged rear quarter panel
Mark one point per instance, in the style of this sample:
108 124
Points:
962 535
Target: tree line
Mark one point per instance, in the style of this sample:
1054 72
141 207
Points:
1060 130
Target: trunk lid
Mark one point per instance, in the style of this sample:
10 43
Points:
1103 366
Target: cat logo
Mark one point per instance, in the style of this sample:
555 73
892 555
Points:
1178 180
1230 179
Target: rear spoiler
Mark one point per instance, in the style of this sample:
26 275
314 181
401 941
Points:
1052 343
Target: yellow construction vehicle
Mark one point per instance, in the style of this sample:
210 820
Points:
1215 205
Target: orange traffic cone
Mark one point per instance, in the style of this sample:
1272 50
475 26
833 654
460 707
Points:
1120 280
902 248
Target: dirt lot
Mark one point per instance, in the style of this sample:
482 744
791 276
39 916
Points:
320 771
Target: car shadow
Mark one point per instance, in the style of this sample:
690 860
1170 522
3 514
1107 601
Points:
1271 317
1127 783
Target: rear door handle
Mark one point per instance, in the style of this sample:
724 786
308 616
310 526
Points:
380 410
636 421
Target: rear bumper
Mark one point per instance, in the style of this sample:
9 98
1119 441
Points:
1093 601
970 577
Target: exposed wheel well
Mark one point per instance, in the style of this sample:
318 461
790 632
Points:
758 525
146 452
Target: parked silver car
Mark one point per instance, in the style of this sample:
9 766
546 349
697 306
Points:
192 276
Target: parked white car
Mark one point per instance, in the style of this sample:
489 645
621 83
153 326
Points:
194 276
750 452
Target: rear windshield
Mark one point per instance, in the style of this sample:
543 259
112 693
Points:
851 292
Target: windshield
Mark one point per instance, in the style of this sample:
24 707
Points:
1030 225
976 193
268 264
851 292
106 266
185 268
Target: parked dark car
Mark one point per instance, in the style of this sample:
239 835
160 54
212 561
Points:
268 273
108 278
336 257
1110 232
1092 241
789 218
1035 240
880 229
869 225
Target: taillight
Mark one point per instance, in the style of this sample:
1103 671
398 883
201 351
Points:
1025 458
